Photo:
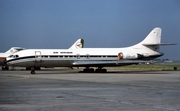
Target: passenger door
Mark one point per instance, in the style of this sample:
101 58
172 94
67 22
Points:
38 56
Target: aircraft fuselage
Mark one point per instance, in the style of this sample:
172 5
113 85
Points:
67 58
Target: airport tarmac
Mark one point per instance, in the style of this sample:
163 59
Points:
68 90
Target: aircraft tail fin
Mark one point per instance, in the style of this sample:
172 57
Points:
153 40
78 44
154 37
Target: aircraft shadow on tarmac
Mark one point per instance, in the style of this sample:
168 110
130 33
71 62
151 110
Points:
108 72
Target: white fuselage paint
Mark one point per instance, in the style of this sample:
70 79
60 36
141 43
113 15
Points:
66 58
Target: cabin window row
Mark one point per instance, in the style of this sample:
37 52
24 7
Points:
79 56
63 52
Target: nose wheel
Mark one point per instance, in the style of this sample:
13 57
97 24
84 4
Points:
32 70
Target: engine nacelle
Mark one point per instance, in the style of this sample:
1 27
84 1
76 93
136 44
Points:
129 55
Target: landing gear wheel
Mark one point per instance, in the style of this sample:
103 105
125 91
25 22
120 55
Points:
33 72
104 70
91 70
100 70
87 70
97 70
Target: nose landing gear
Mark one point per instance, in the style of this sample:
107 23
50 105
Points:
32 70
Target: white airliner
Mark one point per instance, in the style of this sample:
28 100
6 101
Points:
4 55
148 49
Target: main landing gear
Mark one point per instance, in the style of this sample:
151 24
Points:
91 70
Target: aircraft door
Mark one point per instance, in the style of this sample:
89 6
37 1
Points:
38 56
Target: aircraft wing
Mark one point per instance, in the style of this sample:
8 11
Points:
107 63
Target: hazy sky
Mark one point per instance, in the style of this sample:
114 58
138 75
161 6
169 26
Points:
101 23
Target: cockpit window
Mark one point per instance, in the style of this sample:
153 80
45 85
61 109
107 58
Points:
13 56
20 49
16 56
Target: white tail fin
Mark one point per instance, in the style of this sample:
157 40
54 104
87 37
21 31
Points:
78 44
153 38
152 41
